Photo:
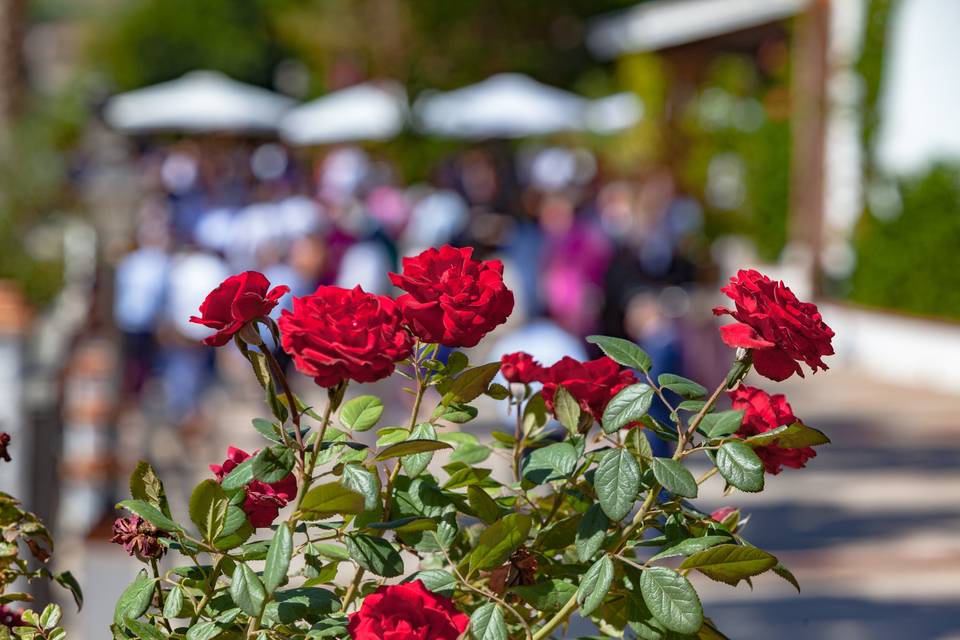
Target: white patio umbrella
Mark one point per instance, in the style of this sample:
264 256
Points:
371 111
508 105
199 101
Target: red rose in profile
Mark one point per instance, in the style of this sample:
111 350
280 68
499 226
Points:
238 300
763 412
263 501
781 330
339 334
407 611
592 383
451 298
520 367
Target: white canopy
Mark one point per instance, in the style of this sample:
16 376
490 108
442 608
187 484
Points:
200 101
363 112
511 105
668 23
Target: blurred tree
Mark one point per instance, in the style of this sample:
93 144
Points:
157 40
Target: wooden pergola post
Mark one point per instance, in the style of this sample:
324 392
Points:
809 120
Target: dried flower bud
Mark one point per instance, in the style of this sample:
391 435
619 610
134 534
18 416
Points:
138 537
4 443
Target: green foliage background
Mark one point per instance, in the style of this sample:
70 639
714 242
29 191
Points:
907 260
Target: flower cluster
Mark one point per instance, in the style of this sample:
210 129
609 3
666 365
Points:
263 500
763 412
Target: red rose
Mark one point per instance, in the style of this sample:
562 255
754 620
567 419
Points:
338 334
138 537
763 412
722 513
781 330
238 300
407 611
592 383
520 367
263 501
452 299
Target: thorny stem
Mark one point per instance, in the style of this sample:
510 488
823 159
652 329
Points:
517 440
160 603
352 590
291 401
211 587
483 592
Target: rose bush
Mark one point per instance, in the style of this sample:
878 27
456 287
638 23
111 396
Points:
417 530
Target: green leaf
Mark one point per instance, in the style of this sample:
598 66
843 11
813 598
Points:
629 405
498 391
374 554
173 605
617 481
410 524
595 584
467 477
682 386
436 580
151 514
415 464
693 406
269 430
498 541
730 563
484 506
143 630
549 595
690 546
146 485
470 453
204 630
361 413
567 409
740 466
487 623
534 414
363 481
718 425
790 436
247 590
330 499
781 570
278 558
671 599
239 476
553 462
273 464
410 447
675 477
591 533
456 413
310 603
623 351
471 383
208 509
135 599
66 580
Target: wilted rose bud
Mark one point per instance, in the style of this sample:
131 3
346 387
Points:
4 443
138 537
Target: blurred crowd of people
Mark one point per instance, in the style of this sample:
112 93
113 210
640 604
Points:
582 254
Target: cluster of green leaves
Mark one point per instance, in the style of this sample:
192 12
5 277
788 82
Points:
22 531
37 626
609 526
